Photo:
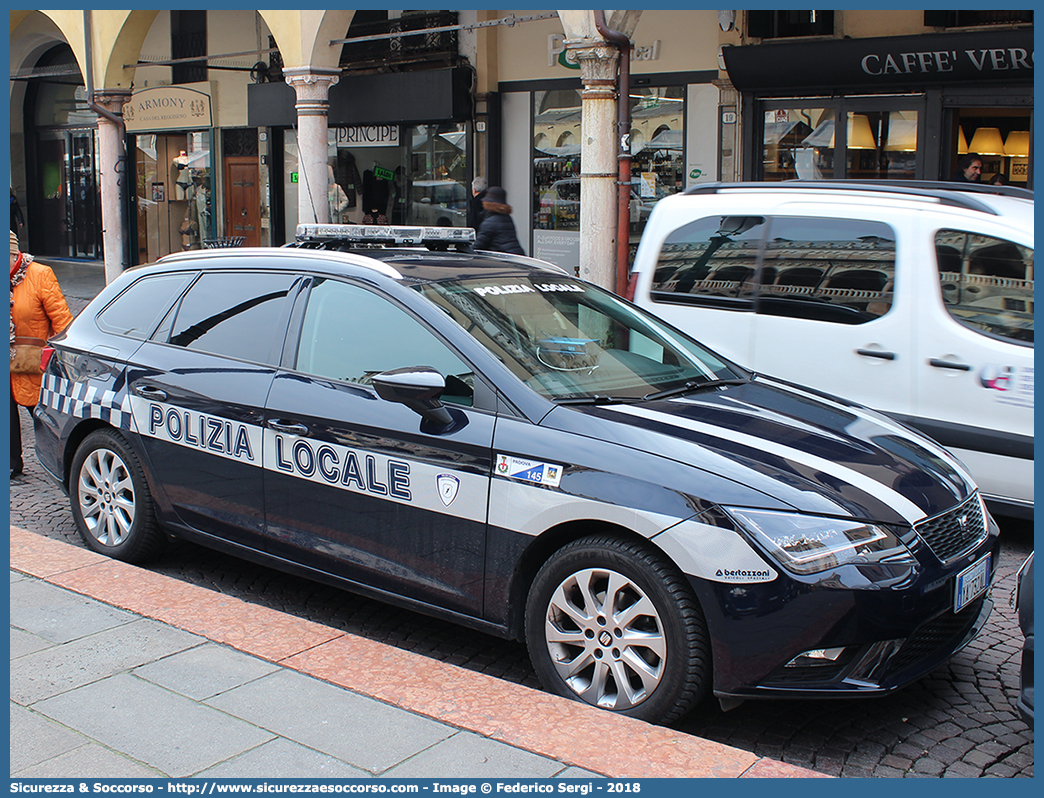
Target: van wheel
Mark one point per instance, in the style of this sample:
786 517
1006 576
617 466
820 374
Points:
614 624
111 502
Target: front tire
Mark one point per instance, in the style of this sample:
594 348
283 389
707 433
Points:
110 499
614 624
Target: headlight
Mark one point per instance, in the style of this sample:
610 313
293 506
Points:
809 544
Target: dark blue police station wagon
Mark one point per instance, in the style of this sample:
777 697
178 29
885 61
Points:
484 438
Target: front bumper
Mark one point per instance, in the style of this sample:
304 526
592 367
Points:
878 668
879 635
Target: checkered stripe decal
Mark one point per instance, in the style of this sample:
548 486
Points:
86 401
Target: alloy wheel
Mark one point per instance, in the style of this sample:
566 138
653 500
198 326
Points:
605 638
106 497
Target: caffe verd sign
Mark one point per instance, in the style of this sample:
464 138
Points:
168 108
981 57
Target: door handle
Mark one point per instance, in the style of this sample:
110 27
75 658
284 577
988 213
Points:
289 428
150 393
948 364
880 354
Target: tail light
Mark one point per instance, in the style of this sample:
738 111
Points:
45 357
629 290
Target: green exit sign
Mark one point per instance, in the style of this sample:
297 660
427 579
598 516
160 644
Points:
293 177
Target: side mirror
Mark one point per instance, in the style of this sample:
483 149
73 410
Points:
417 387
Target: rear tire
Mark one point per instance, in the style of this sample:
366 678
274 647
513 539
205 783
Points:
614 624
111 501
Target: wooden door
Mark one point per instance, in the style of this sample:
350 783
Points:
243 199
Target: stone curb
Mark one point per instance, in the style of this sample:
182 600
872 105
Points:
529 719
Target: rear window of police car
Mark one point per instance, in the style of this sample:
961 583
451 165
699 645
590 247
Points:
136 312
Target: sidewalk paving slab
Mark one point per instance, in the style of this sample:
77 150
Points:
365 733
165 730
90 761
284 759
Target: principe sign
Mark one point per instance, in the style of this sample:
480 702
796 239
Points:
367 136
168 108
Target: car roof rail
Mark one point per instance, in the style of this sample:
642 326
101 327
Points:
235 255
383 235
959 195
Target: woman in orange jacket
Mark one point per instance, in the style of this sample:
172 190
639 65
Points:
38 311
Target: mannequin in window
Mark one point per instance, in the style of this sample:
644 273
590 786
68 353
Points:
335 196
189 227
374 216
182 176
398 201
375 192
201 201
348 177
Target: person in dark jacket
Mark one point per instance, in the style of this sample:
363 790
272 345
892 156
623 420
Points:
476 213
969 169
497 231
17 220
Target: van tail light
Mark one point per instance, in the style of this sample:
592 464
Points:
629 290
45 357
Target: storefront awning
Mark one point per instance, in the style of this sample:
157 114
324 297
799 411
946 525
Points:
403 98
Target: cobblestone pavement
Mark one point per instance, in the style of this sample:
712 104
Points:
959 721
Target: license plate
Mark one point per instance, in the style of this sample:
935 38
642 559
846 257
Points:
971 583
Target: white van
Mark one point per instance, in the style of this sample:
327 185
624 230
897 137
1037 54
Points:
915 299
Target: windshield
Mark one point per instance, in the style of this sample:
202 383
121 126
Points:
569 340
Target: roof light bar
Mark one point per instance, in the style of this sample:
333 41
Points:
402 235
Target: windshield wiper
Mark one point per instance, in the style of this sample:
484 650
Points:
595 399
695 385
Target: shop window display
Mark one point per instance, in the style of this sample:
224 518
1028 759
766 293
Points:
174 193
657 149
657 155
63 207
408 175
438 192
1000 136
556 160
801 143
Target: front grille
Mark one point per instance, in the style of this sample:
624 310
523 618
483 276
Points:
955 532
935 634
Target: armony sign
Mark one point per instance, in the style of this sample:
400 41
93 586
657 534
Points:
167 108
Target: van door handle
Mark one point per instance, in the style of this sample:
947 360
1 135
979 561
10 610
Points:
289 428
878 353
949 364
150 393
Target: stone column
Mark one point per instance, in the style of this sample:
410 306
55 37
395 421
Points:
312 85
112 174
599 168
